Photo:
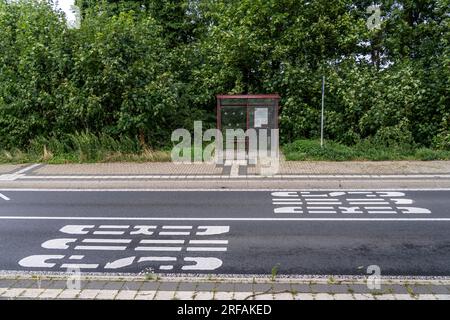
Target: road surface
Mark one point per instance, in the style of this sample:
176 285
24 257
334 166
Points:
307 232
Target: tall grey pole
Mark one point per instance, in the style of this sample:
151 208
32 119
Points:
323 112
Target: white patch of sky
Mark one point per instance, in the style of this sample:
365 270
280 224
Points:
65 6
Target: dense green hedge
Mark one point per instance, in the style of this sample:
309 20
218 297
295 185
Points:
140 69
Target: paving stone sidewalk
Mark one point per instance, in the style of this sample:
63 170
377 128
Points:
287 168
141 288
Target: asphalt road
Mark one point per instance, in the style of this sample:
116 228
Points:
227 232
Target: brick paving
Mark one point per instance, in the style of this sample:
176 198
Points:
167 170
138 288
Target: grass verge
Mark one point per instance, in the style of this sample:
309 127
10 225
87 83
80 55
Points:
310 150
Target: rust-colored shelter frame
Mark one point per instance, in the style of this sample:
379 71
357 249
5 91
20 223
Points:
250 103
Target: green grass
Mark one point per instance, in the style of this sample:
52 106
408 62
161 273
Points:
310 150
89 148
84 148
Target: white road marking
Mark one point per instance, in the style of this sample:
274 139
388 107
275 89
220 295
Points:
113 227
177 227
366 203
166 268
208 242
158 248
410 210
203 264
219 249
249 219
213 230
382 212
26 169
122 241
273 190
121 263
4 197
39 261
157 259
315 211
71 229
289 210
143 230
110 233
79 266
101 248
162 241
61 244
365 199
288 203
174 233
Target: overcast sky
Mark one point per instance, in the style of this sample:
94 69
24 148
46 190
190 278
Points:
65 6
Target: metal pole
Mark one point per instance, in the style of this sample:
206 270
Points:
323 112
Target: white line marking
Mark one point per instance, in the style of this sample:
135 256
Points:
79 265
101 248
202 249
321 208
222 219
106 241
158 248
365 199
165 259
287 203
365 203
109 233
177 227
76 229
213 230
208 242
113 227
274 190
203 263
166 268
4 197
174 233
315 211
234 174
162 241
308 202
26 169
382 212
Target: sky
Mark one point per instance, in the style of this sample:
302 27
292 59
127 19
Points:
65 6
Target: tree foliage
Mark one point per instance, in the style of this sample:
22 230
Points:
141 69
